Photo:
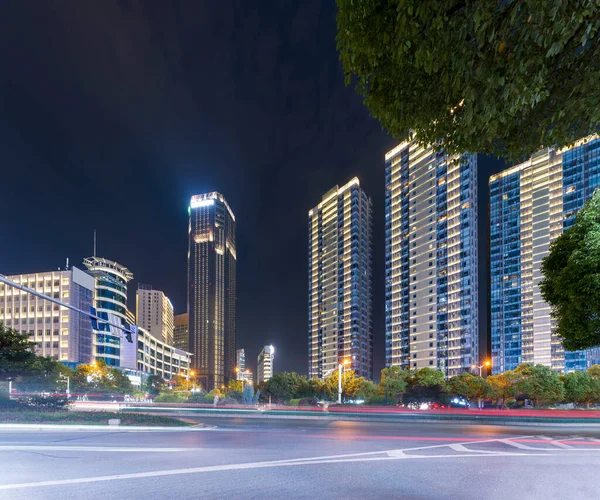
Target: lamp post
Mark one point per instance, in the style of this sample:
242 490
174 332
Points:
340 366
192 374
486 365
68 379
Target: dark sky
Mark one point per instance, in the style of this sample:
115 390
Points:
113 113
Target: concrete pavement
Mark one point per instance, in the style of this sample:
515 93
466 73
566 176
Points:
245 458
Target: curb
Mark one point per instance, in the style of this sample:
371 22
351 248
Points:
455 419
101 428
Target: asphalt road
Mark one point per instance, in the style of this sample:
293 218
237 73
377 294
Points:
243 458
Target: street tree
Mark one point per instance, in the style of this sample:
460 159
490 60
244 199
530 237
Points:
155 384
500 78
367 390
234 386
316 388
571 282
581 388
17 356
426 384
45 375
540 384
284 386
470 386
393 383
350 384
504 387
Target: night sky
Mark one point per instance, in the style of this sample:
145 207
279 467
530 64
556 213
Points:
113 113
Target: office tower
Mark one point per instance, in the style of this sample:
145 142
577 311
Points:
181 331
111 298
212 289
340 323
431 288
240 364
60 333
531 204
154 313
264 367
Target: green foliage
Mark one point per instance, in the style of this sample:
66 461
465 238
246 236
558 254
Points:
504 387
99 377
44 375
367 390
426 384
350 384
197 397
571 281
295 401
285 385
470 386
20 415
540 384
210 397
155 384
170 397
17 355
234 386
581 388
393 383
500 78
316 388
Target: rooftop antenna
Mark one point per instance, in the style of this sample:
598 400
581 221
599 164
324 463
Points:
94 243
67 268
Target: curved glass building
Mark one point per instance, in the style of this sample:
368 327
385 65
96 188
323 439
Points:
111 298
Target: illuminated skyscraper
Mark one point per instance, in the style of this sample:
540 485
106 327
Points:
181 331
531 204
212 289
340 322
110 298
431 288
264 366
240 363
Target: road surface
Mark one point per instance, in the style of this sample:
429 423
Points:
244 458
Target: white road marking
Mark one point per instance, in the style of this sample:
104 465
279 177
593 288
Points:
246 466
114 449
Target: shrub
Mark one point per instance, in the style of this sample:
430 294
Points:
197 397
294 402
169 398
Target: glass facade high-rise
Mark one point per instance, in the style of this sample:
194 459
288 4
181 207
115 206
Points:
431 284
340 322
240 363
111 298
531 204
212 289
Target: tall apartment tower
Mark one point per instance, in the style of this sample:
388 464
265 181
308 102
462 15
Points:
154 313
212 289
531 204
181 331
58 332
264 366
340 319
431 287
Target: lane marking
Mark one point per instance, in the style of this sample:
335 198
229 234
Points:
248 466
114 449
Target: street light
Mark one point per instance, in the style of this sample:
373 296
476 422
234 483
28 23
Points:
487 364
340 366
192 374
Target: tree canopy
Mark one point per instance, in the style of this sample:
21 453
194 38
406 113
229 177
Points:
501 77
539 383
571 282
17 355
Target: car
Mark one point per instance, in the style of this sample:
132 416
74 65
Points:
310 402
459 402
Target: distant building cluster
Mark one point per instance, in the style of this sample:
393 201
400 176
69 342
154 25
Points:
432 309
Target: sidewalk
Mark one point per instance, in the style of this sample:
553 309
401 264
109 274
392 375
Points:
98 428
